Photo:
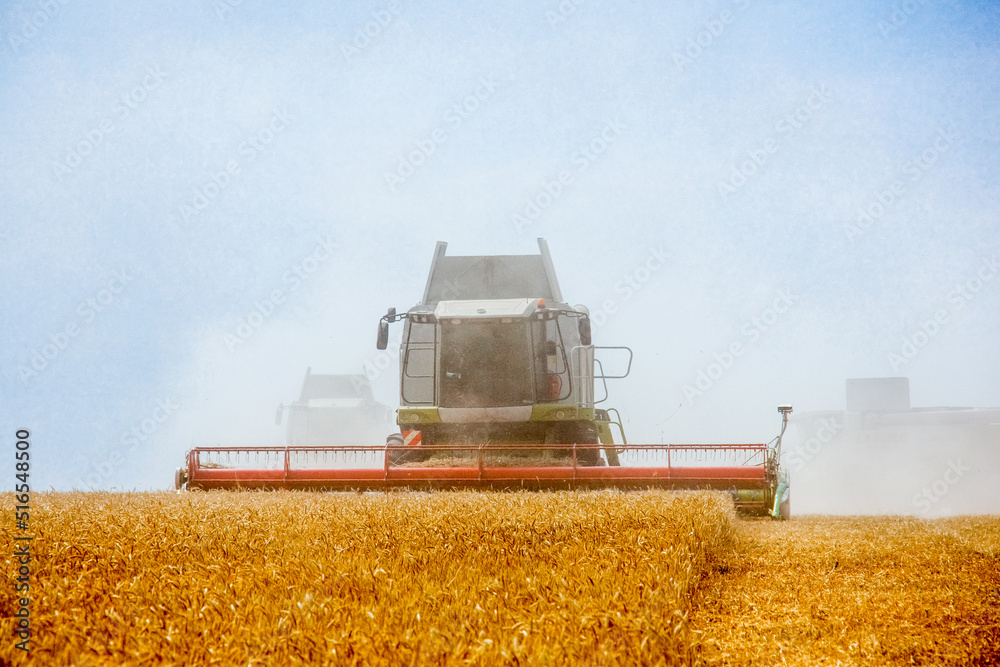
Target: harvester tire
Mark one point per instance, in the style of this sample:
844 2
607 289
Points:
592 456
611 453
785 509
579 434
398 456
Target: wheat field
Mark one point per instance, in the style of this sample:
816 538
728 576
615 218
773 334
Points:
468 578
404 578
855 591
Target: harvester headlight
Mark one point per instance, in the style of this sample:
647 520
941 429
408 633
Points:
560 414
414 417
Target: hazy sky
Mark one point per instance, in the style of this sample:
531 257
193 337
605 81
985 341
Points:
808 184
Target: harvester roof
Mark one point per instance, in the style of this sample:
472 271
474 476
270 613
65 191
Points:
485 308
316 386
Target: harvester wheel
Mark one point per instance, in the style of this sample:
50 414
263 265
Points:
579 434
591 456
785 508
612 455
397 456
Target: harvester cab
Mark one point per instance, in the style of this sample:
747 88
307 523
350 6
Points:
493 355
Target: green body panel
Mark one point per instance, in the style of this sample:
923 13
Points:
604 432
418 415
555 412
540 412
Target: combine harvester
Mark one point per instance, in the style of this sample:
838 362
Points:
335 410
497 391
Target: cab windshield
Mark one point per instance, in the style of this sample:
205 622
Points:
485 364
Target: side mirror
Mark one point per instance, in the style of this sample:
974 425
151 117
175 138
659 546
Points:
383 335
585 337
383 328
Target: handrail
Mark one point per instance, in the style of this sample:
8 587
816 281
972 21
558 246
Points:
628 369
468 447
663 466
582 355
603 379
618 423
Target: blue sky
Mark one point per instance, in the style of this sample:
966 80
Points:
224 149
